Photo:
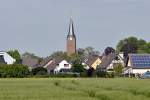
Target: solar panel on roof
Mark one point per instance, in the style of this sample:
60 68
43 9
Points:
140 61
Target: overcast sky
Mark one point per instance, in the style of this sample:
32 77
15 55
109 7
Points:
41 26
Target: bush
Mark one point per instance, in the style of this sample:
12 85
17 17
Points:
78 68
39 71
15 70
100 73
110 75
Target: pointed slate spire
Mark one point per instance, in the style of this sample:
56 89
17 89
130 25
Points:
71 28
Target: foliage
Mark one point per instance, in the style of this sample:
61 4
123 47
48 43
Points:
86 52
15 70
16 55
100 73
118 69
129 45
60 55
109 50
75 59
133 45
78 68
39 71
32 55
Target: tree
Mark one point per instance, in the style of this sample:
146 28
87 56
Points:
15 70
16 55
132 45
86 52
39 71
90 51
75 59
128 45
147 47
109 50
118 69
78 68
141 46
31 60
59 55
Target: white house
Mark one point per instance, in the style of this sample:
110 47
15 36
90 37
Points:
6 58
119 60
138 63
63 65
110 61
56 66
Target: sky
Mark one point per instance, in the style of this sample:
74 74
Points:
41 26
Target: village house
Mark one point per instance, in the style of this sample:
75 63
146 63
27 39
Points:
138 64
92 62
108 62
56 66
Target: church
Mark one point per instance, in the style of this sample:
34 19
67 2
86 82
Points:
71 39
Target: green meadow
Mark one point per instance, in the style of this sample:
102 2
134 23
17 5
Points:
74 89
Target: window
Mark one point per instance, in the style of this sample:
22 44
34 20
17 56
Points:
66 65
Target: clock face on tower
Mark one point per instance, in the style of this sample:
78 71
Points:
70 38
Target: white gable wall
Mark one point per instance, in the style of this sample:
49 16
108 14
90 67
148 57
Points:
8 59
62 65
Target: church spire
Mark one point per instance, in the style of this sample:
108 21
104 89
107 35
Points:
71 28
71 39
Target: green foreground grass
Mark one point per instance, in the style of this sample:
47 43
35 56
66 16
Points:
74 89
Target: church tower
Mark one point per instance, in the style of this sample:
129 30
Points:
71 39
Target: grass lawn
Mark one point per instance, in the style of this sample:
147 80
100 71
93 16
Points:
74 89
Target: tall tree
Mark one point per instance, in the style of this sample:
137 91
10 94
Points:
132 45
109 50
59 55
129 45
16 55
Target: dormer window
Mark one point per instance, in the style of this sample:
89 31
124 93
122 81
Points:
66 65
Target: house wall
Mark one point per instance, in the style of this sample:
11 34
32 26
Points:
140 71
114 62
96 63
135 71
62 66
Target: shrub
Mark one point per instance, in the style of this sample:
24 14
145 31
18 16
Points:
39 71
110 75
101 73
15 70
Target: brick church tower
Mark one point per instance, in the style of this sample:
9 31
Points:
71 39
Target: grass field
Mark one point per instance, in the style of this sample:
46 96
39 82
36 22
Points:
74 89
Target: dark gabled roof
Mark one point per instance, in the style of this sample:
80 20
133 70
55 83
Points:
107 59
30 62
52 63
44 61
91 59
140 61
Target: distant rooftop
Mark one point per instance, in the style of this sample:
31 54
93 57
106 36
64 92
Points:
140 60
